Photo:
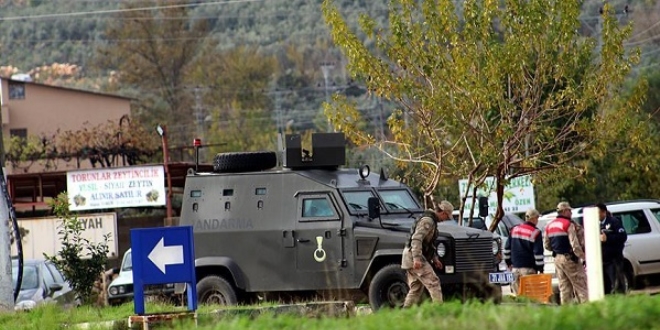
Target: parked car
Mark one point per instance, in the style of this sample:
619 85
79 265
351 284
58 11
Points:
120 289
41 283
503 229
641 220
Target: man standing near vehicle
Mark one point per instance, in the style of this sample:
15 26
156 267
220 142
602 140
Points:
613 238
523 252
420 251
562 238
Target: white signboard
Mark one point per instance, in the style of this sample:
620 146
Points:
43 234
518 194
106 188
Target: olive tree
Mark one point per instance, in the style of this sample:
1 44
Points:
488 88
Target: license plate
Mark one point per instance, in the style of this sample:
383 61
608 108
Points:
506 277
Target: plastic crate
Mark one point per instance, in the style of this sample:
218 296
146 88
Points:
536 287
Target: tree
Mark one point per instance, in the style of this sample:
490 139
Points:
153 51
235 94
80 260
628 170
122 143
488 88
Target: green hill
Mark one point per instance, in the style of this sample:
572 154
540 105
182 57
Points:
35 33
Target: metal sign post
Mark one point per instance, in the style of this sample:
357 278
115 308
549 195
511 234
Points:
161 256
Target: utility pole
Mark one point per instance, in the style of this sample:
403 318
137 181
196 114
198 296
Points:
381 120
162 131
278 110
280 128
599 25
326 67
199 119
6 290
405 118
599 32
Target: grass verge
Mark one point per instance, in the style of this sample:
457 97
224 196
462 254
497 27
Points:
616 312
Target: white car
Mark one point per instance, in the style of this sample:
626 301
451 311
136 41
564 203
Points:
641 220
121 288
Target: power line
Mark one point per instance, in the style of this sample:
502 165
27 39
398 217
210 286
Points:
192 17
643 41
279 13
125 10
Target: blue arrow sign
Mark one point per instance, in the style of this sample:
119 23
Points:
160 256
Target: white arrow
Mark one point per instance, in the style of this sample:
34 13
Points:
163 255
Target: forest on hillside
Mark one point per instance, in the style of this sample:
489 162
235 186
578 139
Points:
237 71
293 32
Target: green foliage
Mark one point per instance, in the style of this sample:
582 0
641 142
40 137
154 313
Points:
487 89
21 231
138 47
240 111
24 152
652 103
156 66
102 144
81 261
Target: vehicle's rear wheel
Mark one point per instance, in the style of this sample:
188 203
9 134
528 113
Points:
628 279
388 289
216 290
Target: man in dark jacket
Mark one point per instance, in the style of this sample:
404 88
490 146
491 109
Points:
613 238
523 252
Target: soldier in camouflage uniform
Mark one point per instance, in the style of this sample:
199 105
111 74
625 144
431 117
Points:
420 251
565 239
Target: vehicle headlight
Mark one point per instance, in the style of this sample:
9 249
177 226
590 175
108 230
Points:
25 305
496 246
122 289
442 249
113 290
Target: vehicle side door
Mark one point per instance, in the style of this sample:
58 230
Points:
652 250
642 245
319 241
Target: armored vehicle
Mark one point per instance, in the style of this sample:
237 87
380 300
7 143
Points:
311 226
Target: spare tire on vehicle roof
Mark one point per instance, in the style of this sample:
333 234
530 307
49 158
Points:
244 161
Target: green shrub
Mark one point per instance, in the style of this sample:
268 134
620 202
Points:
80 260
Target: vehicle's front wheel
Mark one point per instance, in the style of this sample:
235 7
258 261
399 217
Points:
216 290
388 289
491 293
